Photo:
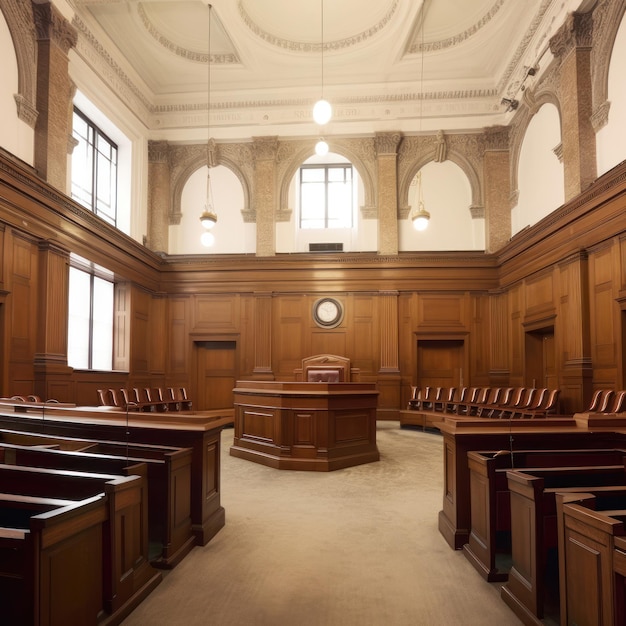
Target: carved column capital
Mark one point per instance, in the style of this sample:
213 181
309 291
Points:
387 143
265 148
158 151
51 25
576 32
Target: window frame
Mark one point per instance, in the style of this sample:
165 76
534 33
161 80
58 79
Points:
326 167
93 271
110 214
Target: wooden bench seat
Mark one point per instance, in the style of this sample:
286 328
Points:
201 432
490 497
126 575
167 488
592 556
51 553
534 530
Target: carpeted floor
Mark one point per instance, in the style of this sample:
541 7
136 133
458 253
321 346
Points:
358 546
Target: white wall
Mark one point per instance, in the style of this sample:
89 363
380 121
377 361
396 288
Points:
447 197
16 136
540 179
232 235
611 140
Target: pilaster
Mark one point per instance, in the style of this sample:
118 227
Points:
265 151
55 37
387 155
159 196
572 46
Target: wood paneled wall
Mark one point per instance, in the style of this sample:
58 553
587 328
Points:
564 277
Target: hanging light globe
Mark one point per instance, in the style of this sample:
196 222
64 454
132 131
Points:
421 218
208 219
207 239
321 148
322 112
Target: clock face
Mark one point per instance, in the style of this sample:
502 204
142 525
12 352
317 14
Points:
327 312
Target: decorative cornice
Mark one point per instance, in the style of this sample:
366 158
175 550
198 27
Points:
304 46
455 40
191 55
558 151
516 59
112 74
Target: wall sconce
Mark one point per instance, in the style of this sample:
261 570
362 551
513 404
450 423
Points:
510 103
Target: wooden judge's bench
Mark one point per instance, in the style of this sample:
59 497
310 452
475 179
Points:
322 423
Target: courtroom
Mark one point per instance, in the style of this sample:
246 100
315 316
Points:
313 312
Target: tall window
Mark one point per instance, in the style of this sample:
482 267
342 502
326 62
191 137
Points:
326 196
90 319
94 169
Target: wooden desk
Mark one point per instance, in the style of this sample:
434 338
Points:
199 431
305 426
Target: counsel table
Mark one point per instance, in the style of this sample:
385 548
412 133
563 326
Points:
305 426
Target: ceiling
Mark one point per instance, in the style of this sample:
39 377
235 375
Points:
384 65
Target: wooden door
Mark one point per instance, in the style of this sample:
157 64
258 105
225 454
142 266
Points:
216 374
440 362
540 359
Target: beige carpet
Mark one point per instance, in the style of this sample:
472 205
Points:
358 546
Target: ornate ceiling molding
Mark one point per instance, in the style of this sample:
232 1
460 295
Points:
303 46
455 40
174 48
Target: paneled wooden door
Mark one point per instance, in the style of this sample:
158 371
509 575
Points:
440 362
540 357
216 374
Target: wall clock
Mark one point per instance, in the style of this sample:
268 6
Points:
327 312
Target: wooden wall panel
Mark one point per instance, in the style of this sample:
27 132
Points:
157 328
140 336
329 341
539 294
178 338
291 320
218 313
516 336
480 350
437 311
364 341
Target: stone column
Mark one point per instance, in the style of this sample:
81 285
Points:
159 196
572 47
497 190
263 336
50 360
55 37
265 200
387 155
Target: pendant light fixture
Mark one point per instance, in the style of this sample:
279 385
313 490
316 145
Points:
322 111
208 218
321 147
421 217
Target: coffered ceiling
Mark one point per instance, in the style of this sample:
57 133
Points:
384 64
